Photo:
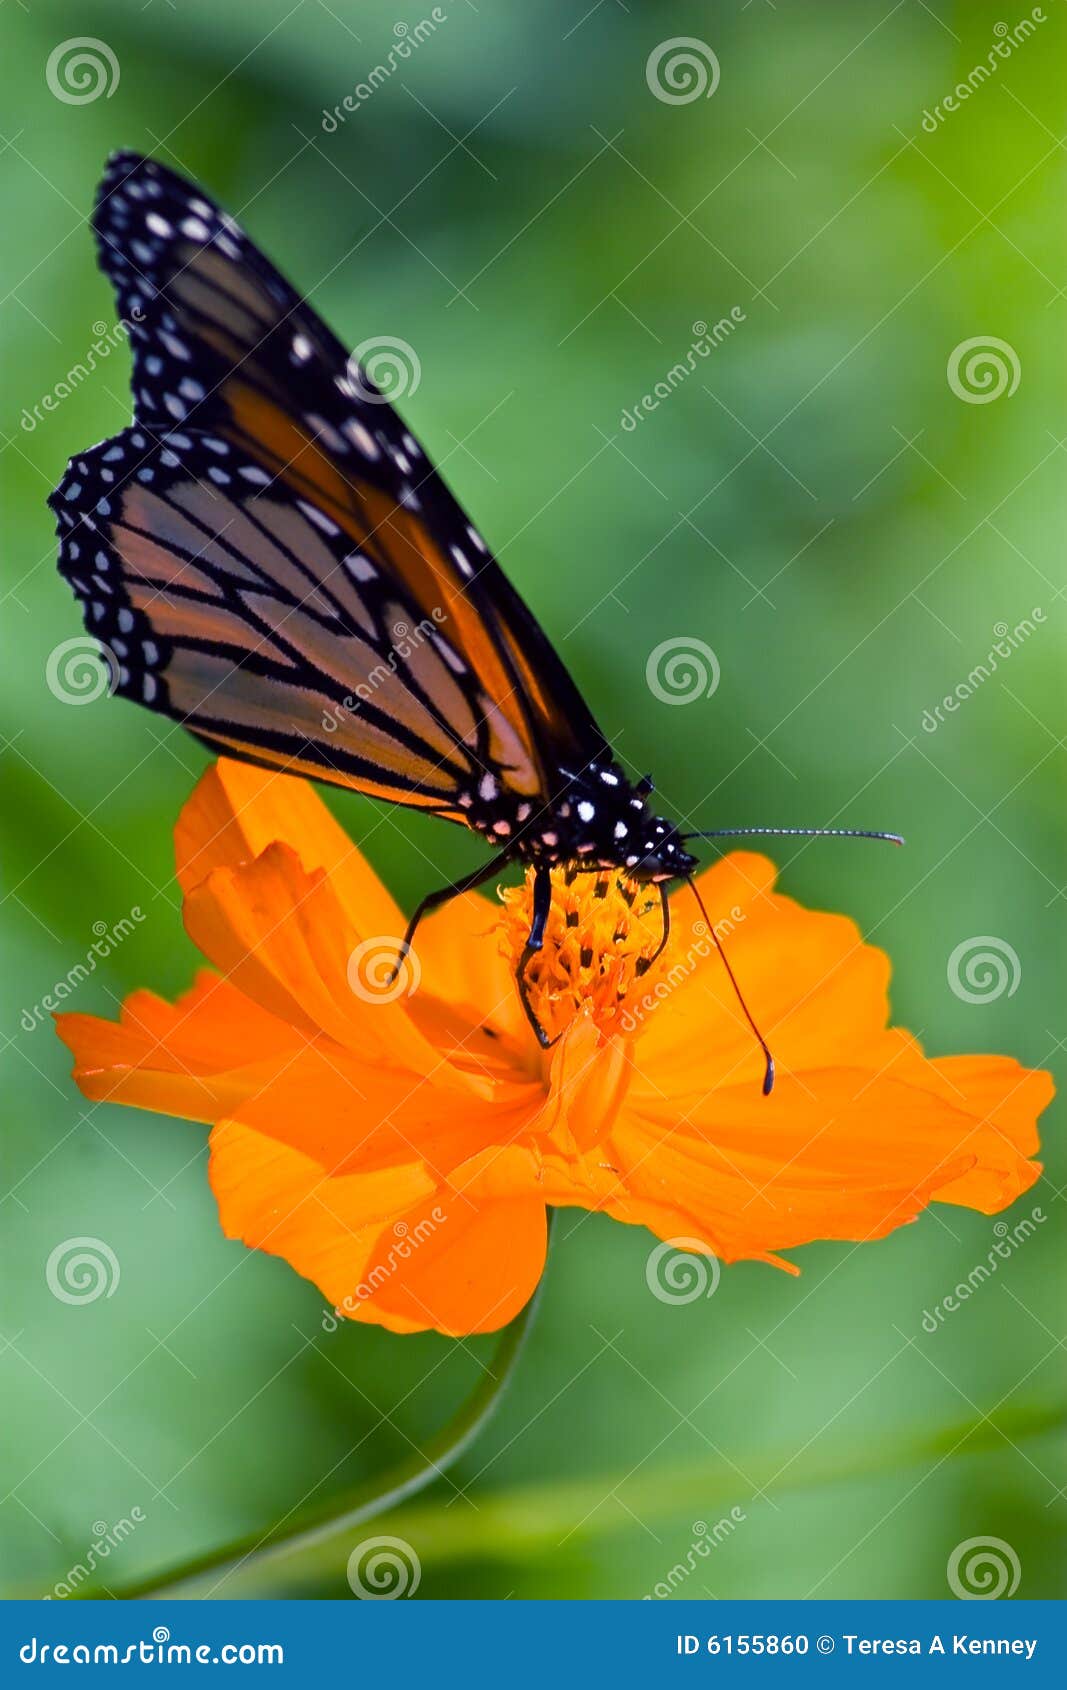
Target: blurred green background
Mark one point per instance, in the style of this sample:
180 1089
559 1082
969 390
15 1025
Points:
818 505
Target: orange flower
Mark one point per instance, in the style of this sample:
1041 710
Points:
399 1147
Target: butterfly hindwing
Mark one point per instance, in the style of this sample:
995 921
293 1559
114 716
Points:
269 555
224 607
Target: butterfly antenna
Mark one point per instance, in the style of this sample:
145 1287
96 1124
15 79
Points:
796 832
768 1072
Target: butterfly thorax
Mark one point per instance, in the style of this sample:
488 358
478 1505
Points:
598 819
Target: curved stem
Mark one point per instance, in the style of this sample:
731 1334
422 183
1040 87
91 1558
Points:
364 1501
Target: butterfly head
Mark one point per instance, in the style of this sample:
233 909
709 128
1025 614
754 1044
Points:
664 855
668 860
602 821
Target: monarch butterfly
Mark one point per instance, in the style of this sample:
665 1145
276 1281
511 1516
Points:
249 550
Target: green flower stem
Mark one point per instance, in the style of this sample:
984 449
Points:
340 1514
525 1522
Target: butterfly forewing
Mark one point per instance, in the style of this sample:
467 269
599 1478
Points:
269 556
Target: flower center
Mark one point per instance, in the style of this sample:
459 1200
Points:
601 934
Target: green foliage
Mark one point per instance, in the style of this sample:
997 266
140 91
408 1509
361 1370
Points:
817 504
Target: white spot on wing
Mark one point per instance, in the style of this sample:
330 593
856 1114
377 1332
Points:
319 518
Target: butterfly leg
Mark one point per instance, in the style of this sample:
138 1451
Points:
542 904
665 910
434 900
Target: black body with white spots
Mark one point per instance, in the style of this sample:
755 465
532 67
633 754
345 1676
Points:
597 820
268 557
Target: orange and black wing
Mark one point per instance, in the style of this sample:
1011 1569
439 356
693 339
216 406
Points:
266 553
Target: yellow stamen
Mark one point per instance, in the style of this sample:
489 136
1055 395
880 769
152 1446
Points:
600 935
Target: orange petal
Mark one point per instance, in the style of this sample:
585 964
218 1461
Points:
281 934
1006 1099
473 1272
463 970
443 1261
197 1058
236 811
351 1116
837 1153
589 1079
818 993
